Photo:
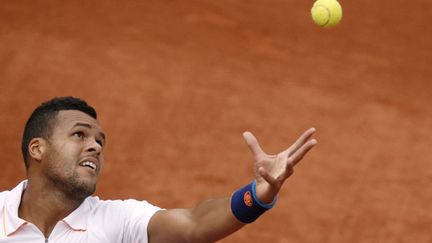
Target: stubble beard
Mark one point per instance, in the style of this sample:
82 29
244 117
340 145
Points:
67 180
71 186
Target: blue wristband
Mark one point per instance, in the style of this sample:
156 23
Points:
245 205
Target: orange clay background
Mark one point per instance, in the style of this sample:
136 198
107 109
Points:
177 82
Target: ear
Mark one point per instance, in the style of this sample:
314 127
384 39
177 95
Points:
37 148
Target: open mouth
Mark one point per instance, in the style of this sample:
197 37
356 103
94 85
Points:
89 165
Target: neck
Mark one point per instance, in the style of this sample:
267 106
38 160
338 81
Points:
44 205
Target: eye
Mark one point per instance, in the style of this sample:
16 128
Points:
100 142
78 134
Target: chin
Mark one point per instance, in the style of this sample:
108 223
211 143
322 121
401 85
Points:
87 186
81 191
76 188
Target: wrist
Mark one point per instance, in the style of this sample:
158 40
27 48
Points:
264 201
245 205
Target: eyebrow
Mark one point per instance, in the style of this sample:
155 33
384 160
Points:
79 124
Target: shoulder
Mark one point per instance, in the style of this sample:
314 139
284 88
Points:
129 218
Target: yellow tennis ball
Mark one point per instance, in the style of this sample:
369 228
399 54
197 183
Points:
326 13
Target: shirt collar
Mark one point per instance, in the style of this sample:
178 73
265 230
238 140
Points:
77 220
10 217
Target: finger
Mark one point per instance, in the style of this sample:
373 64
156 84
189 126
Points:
301 140
289 168
302 151
253 144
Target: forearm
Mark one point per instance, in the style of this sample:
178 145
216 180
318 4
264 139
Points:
213 220
208 221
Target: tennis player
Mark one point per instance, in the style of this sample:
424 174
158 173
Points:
63 148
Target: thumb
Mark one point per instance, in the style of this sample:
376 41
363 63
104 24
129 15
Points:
253 144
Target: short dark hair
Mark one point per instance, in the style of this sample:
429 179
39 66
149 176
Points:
41 121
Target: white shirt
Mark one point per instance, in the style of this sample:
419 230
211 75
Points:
94 221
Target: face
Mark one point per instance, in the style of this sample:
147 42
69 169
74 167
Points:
74 154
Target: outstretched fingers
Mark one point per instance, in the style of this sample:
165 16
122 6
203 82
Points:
302 151
281 164
301 141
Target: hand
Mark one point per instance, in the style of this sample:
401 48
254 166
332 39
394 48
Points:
271 171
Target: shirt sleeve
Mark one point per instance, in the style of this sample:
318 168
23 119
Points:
136 219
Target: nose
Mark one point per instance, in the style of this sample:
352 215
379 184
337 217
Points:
95 147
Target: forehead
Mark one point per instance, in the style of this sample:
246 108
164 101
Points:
67 119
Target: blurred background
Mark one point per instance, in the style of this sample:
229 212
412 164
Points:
176 83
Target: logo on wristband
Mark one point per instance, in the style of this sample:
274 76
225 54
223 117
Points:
247 198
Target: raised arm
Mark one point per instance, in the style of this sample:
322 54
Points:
214 219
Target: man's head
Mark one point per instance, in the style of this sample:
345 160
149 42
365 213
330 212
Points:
43 118
62 146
